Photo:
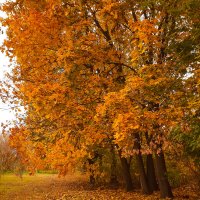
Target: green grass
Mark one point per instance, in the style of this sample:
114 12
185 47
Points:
47 172
10 182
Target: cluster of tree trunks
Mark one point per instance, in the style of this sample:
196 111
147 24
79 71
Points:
153 175
151 179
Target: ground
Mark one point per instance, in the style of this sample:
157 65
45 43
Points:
50 187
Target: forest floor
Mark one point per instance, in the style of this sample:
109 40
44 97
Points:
50 187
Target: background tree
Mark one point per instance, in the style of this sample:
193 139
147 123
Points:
10 160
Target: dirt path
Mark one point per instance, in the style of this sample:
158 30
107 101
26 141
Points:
50 187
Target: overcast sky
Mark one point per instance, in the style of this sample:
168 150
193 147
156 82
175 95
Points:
5 112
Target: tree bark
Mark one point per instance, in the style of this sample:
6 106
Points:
151 176
143 177
161 172
113 175
126 173
91 161
92 179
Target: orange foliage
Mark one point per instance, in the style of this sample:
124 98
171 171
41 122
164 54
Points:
89 72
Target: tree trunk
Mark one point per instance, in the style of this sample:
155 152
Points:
126 174
143 177
151 176
91 161
161 172
113 175
92 179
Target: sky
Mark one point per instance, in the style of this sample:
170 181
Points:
5 111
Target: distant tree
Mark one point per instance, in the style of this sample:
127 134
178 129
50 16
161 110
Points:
9 159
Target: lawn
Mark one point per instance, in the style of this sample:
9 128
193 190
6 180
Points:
50 187
14 187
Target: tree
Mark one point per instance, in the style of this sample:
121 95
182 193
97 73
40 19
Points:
99 73
10 160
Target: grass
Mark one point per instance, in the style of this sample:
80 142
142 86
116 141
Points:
12 184
71 187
